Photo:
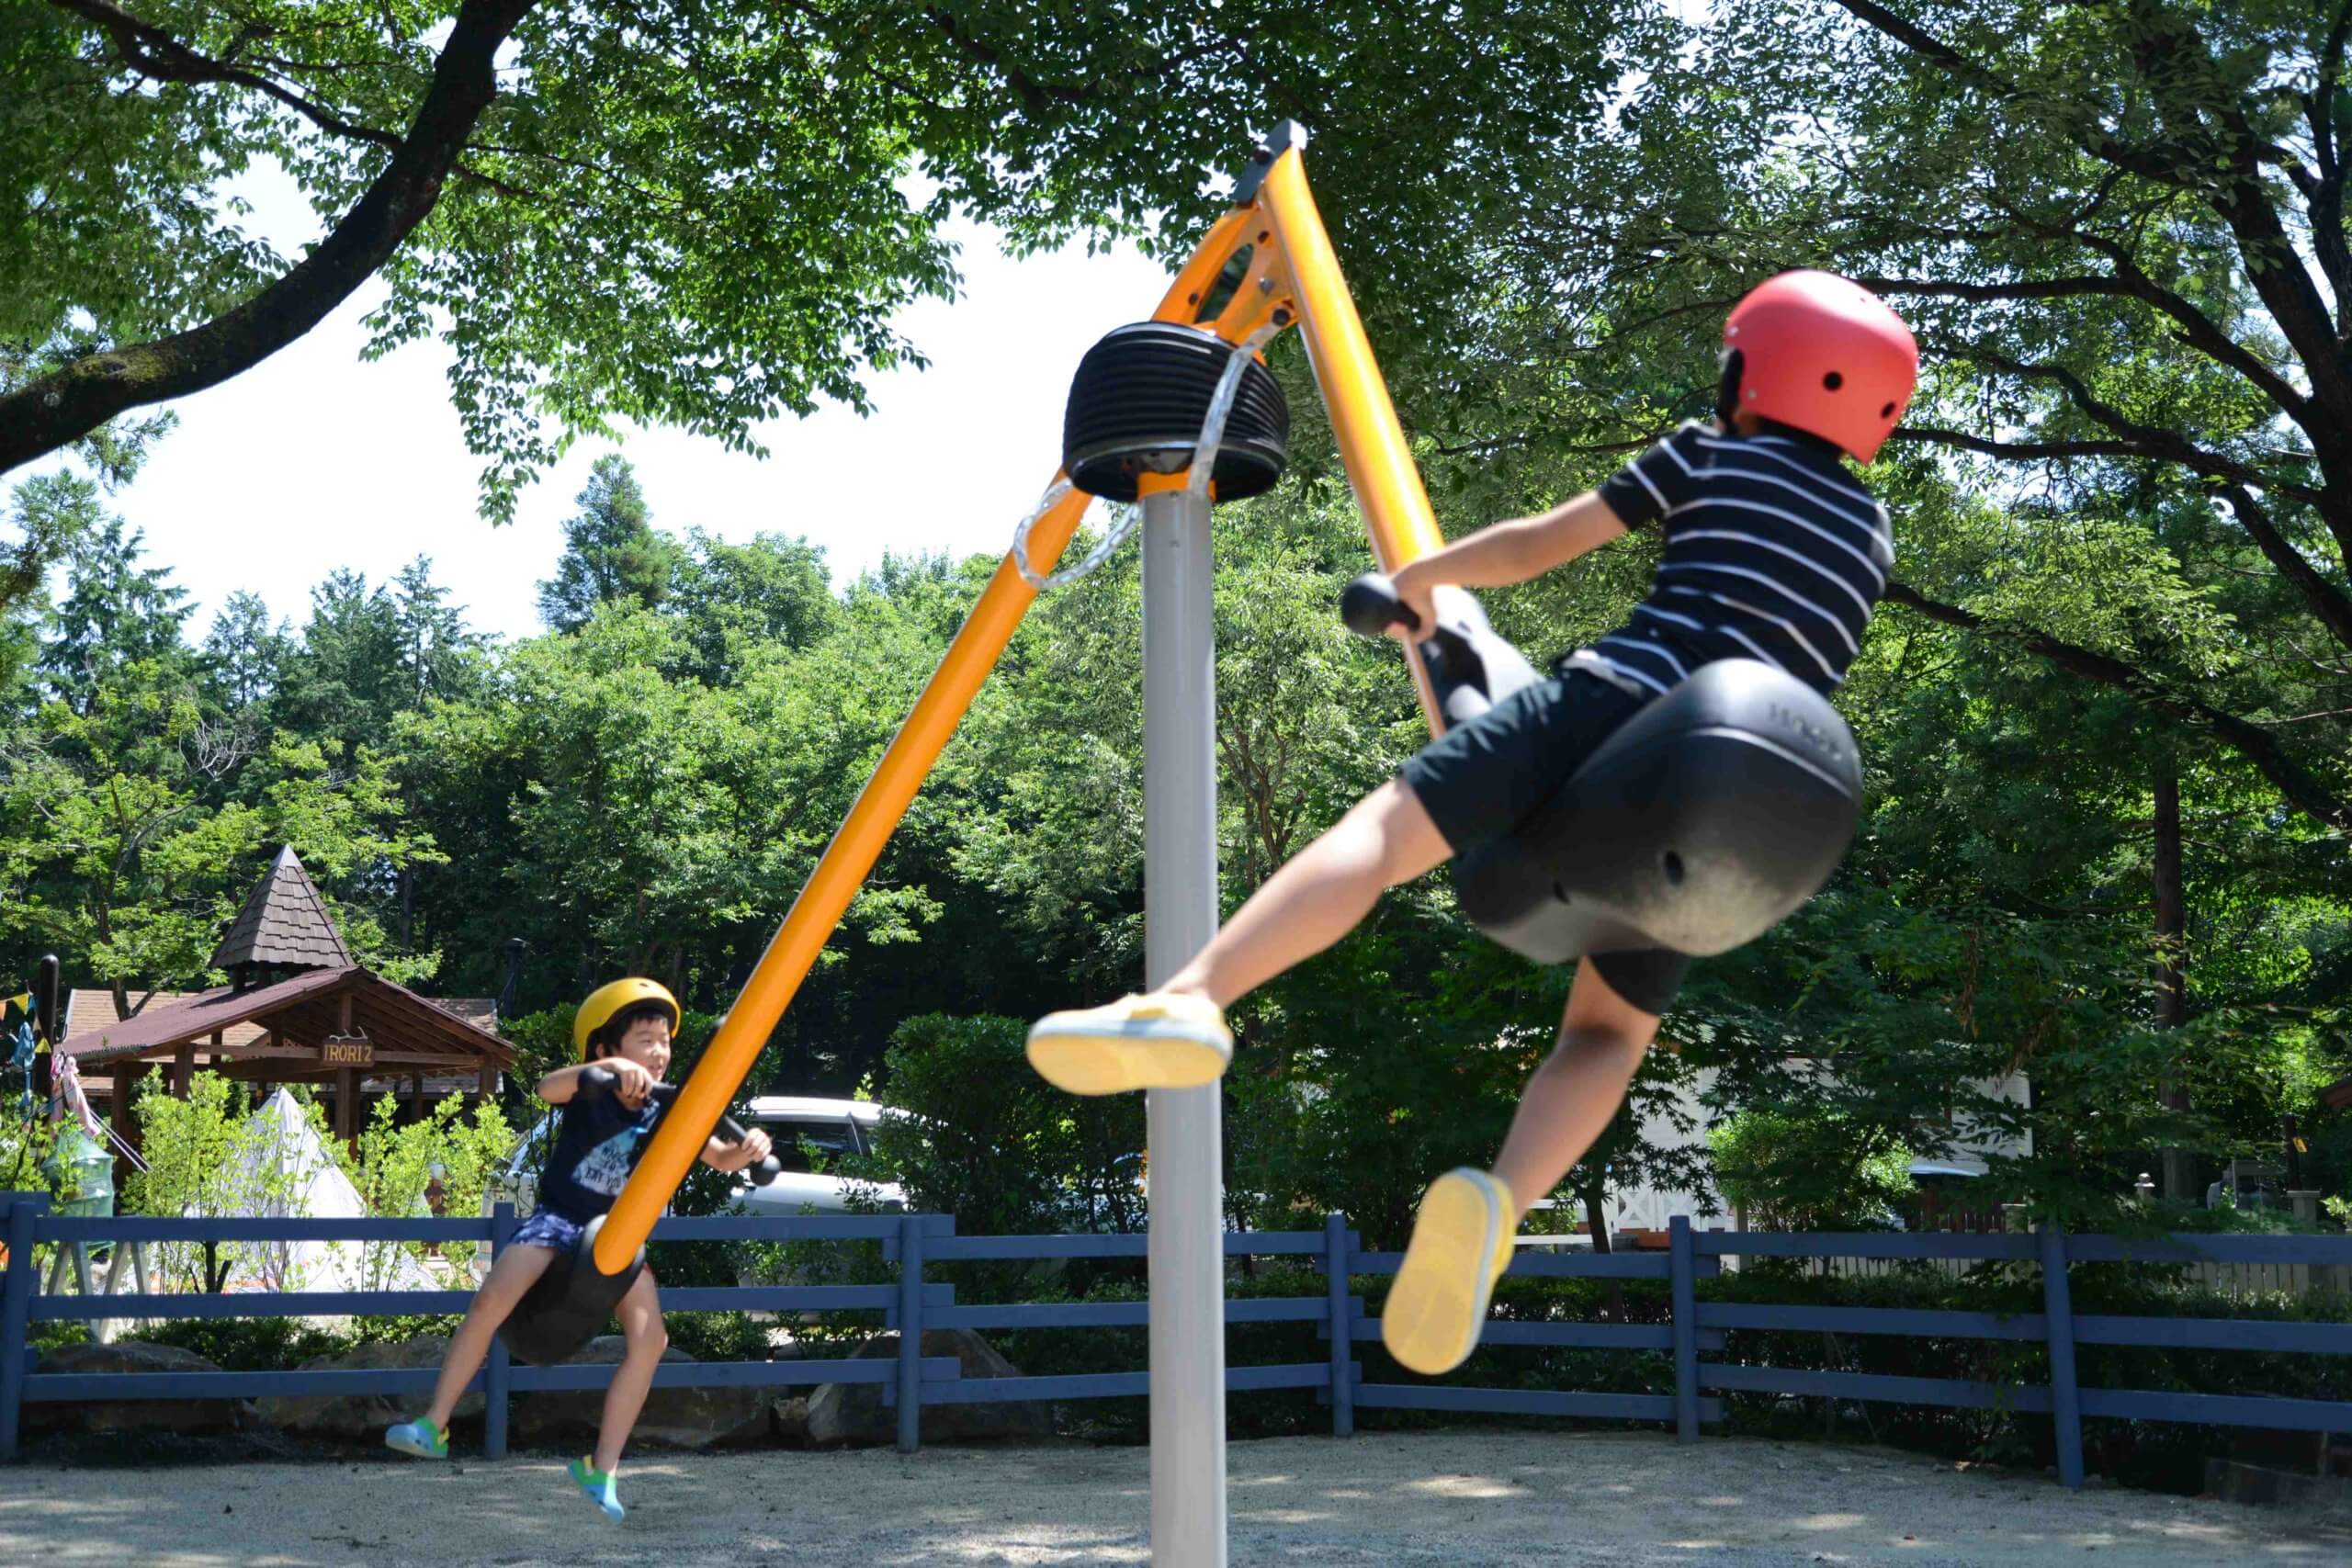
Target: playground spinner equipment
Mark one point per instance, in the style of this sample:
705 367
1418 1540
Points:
1705 818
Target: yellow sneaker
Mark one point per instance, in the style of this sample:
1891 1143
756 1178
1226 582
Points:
1461 1243
1166 1040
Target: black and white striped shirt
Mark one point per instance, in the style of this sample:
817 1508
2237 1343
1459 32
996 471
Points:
1772 551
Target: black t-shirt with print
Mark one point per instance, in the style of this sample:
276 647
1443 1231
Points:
596 1147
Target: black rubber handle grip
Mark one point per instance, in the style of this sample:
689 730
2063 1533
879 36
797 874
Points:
1370 606
597 1082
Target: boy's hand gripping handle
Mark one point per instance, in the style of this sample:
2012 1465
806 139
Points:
597 1082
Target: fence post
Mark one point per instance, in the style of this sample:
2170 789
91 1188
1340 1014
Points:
2065 1399
910 1333
15 1312
1343 1346
497 1377
1682 1271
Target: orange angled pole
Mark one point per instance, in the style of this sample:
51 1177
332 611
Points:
679 1140
1372 442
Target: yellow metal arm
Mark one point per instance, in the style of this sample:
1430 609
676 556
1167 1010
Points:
1291 274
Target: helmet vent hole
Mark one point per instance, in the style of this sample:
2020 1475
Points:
1833 380
1672 863
1887 412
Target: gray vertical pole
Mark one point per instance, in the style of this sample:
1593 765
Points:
1343 1346
1187 1245
15 1312
910 1388
2065 1399
1682 1270
498 1374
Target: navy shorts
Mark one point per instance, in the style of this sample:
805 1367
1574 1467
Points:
1478 781
549 1229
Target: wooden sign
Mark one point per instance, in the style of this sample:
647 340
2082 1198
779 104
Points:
347 1051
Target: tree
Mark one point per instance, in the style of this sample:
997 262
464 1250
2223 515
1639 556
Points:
773 592
435 648
698 215
611 554
247 651
115 614
346 680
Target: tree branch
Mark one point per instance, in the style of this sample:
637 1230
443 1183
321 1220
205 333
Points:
2327 601
2197 330
158 56
2147 440
45 414
2292 780
2083 128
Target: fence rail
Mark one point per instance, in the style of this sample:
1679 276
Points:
914 1243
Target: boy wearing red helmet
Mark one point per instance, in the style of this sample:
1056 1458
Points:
1773 550
624 1027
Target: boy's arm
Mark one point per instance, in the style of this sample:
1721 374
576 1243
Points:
560 1086
1512 552
633 1081
721 1155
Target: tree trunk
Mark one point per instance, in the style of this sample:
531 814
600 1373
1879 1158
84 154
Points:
2172 994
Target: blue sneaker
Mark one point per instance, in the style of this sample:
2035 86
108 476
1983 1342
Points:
599 1487
420 1438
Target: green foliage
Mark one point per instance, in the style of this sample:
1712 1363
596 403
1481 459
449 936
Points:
203 1161
1807 1173
611 554
983 1138
398 1161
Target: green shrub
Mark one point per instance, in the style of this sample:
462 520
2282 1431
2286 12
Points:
990 1141
1820 1172
250 1344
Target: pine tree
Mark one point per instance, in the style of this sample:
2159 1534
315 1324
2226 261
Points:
611 553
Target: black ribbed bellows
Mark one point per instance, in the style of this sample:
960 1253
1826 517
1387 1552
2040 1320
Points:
1137 402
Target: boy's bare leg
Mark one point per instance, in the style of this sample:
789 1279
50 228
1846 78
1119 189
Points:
1318 896
641 1327
516 1270
1572 1095
1463 1234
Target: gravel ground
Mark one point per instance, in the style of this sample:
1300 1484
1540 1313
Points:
1455 1499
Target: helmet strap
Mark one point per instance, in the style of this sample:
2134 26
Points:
1727 387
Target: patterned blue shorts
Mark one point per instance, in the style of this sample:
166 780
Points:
549 1229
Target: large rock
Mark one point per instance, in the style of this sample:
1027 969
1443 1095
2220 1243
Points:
854 1412
132 1415
366 1414
673 1417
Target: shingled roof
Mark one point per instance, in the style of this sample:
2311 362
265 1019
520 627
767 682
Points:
285 922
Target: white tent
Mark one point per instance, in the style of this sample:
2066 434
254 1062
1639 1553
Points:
310 1185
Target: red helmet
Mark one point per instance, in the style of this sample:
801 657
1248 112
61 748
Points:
1825 355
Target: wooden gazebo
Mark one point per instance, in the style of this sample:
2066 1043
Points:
297 1010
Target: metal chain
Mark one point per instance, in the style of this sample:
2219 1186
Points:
1197 483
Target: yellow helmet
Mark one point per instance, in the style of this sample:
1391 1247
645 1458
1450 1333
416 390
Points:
607 1002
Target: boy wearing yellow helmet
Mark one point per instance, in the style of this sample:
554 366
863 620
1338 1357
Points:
626 1028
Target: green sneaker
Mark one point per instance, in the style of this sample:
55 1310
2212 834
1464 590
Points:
598 1486
420 1438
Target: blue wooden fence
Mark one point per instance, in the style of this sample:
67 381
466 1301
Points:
915 1242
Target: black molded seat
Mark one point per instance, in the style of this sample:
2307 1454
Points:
1714 812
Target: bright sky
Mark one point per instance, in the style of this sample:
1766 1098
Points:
312 460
